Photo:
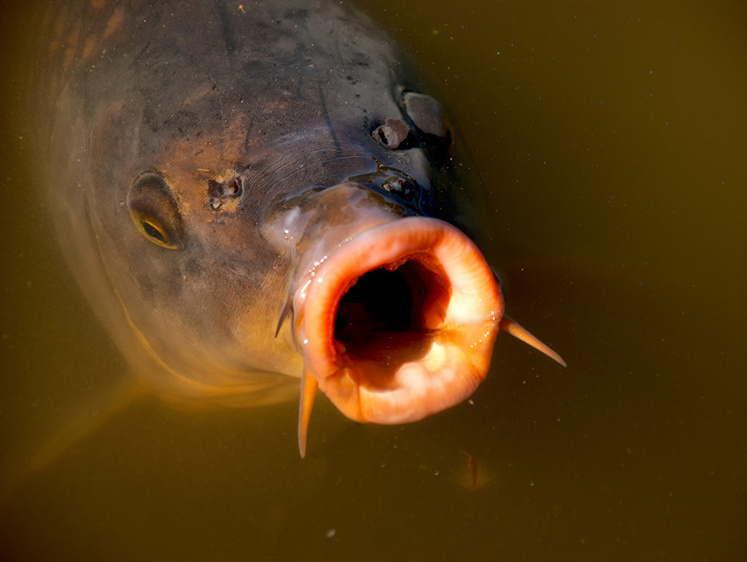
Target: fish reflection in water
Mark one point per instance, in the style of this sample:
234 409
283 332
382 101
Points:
261 198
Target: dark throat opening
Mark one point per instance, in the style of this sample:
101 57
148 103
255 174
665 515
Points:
385 312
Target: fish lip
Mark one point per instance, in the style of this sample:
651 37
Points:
457 332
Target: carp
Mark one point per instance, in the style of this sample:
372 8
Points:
264 197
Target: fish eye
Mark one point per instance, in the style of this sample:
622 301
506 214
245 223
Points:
155 211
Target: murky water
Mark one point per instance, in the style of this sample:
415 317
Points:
611 140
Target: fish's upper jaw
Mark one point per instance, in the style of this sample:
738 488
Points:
399 321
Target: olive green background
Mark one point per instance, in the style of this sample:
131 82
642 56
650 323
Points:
610 137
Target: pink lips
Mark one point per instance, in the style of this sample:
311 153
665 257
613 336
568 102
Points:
415 337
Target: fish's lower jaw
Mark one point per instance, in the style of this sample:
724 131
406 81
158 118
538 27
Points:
390 393
398 322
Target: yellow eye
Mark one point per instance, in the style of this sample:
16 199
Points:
153 230
155 211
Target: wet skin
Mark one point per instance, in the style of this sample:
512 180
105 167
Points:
205 159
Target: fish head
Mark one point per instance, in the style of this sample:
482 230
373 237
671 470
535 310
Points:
282 210
215 236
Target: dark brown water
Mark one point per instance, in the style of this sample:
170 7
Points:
611 137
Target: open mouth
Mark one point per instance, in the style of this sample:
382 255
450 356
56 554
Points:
397 323
391 312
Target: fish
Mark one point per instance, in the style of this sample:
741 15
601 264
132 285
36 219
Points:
264 200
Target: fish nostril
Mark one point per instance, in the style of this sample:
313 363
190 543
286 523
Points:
401 187
221 192
391 134
232 188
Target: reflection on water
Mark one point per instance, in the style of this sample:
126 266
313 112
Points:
610 138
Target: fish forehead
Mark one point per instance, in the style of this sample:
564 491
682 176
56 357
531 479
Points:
204 89
196 62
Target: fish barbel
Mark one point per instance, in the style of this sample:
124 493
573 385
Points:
254 194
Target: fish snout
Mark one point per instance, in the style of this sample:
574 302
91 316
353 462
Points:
397 323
